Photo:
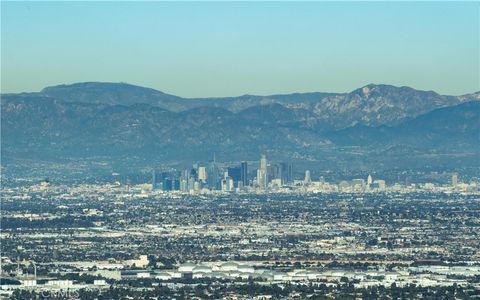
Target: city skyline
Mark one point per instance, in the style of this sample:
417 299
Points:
214 177
240 150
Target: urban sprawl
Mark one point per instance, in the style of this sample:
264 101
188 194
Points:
214 232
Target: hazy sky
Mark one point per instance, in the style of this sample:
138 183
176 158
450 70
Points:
227 49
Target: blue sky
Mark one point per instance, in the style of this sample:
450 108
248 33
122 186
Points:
233 48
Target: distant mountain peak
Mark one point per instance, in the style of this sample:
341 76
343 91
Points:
372 104
95 86
113 93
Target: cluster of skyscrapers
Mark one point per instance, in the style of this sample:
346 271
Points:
213 176
268 176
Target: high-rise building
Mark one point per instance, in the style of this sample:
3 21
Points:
191 183
227 184
308 178
454 179
213 178
176 184
196 186
170 184
183 185
194 173
263 163
154 180
283 172
202 174
289 173
185 174
273 171
230 184
261 178
262 173
244 173
235 173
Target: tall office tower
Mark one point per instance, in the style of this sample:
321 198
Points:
176 184
183 185
240 185
223 185
290 173
235 173
244 173
454 179
185 174
154 180
202 174
212 179
369 179
308 178
191 183
169 184
230 184
261 178
194 173
272 172
263 163
283 173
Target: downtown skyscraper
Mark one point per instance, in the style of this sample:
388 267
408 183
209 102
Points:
262 173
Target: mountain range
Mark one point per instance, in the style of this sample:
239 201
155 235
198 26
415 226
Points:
370 105
370 126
